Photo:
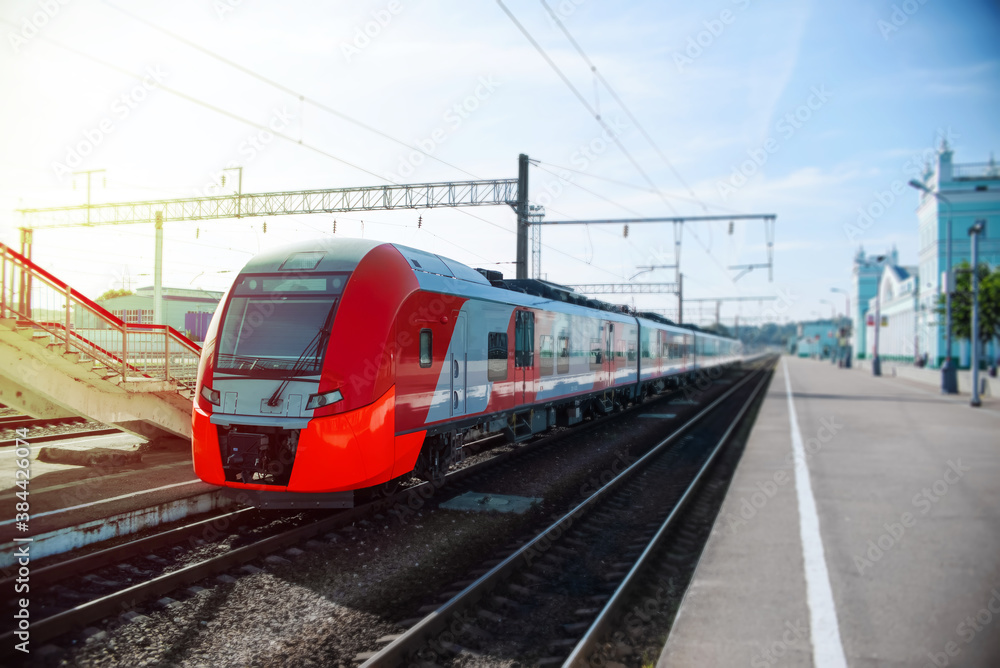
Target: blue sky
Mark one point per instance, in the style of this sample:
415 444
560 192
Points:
876 85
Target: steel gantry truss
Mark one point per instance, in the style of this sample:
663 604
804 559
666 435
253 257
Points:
246 205
678 286
489 192
625 288
483 192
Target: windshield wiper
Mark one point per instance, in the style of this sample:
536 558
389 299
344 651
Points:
314 348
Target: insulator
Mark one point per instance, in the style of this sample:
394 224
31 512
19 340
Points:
223 180
334 226
197 232
264 226
625 232
730 228
420 222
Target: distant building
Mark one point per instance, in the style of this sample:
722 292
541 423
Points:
817 339
973 191
912 327
864 284
897 306
185 309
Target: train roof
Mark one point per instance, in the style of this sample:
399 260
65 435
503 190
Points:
442 274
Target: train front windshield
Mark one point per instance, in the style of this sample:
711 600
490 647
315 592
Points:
278 324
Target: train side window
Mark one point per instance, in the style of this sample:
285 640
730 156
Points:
548 355
562 362
524 339
496 364
648 345
631 352
596 357
426 340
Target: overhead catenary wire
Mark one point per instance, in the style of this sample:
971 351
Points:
208 105
301 96
260 126
583 100
645 189
621 103
579 96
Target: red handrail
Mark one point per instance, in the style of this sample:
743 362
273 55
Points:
29 269
94 306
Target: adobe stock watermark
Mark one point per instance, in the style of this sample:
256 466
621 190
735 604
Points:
787 126
453 118
883 200
791 637
223 7
924 501
967 631
899 17
768 489
365 34
250 148
581 160
704 39
121 108
33 24
566 8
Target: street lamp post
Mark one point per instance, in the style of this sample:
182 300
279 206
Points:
975 231
876 362
847 314
833 321
949 375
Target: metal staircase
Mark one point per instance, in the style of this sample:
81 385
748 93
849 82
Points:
63 354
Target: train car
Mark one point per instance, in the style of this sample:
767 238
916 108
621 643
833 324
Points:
342 364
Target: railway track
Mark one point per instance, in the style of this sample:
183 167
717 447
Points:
11 423
558 596
143 575
10 442
140 577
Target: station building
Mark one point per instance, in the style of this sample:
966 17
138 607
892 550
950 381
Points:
907 297
817 339
188 310
897 306
865 279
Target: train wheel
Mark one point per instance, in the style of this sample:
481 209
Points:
436 457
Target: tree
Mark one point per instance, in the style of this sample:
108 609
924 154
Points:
110 294
717 328
961 302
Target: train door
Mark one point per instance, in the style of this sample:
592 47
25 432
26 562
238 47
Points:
459 358
524 356
609 353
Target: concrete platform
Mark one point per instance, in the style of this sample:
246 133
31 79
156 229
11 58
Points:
878 546
72 505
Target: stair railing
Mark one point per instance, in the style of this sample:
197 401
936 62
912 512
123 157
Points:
34 297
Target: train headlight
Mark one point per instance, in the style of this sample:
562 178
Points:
325 399
210 395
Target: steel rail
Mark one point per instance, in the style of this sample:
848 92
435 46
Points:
62 437
63 622
396 652
53 573
24 421
579 657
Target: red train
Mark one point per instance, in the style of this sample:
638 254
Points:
341 364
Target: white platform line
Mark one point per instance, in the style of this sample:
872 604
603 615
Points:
828 651
114 498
